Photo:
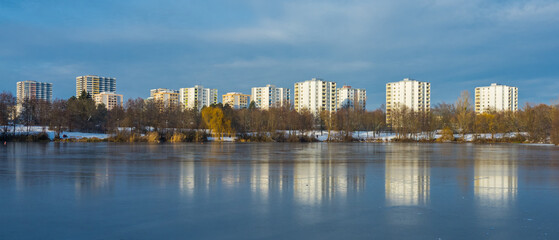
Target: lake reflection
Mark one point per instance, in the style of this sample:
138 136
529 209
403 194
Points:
406 176
496 180
244 191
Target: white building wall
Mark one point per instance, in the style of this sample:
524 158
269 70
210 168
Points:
411 93
270 96
315 95
496 97
197 97
353 98
110 100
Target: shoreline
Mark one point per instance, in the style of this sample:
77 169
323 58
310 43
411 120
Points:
42 138
43 134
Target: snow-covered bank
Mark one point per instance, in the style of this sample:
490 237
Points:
19 130
321 136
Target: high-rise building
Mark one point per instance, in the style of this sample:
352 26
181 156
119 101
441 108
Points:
110 100
496 97
270 96
353 98
33 89
94 84
413 94
197 97
315 95
166 96
236 100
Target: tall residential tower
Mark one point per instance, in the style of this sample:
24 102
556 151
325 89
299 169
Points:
94 84
315 95
197 97
353 98
270 96
33 89
413 94
496 97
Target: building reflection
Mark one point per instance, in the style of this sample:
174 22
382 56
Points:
187 178
495 176
320 175
407 176
311 173
260 173
90 182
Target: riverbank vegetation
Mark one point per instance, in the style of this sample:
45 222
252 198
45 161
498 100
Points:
151 121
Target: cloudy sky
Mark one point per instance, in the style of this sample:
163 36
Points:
235 45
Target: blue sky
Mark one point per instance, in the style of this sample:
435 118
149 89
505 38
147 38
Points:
235 45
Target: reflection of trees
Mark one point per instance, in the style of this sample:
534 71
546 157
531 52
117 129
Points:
407 179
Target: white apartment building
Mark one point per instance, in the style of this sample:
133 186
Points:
270 96
496 97
94 84
353 98
236 100
315 95
411 93
32 89
110 100
197 97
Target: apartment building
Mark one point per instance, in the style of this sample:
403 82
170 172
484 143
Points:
270 96
352 98
109 99
496 97
197 97
236 100
33 89
316 95
94 84
413 94
166 96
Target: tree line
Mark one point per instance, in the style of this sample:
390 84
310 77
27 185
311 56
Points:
537 123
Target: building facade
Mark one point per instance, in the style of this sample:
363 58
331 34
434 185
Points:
236 100
352 98
110 100
496 97
166 96
197 97
33 89
413 94
270 96
315 95
94 84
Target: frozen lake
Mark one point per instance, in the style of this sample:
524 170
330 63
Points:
278 191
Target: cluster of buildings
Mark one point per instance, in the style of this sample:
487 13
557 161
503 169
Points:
315 95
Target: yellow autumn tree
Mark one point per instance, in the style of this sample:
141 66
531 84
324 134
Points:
215 120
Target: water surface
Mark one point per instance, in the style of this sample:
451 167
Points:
278 191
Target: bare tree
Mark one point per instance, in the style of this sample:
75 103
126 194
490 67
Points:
8 110
464 117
